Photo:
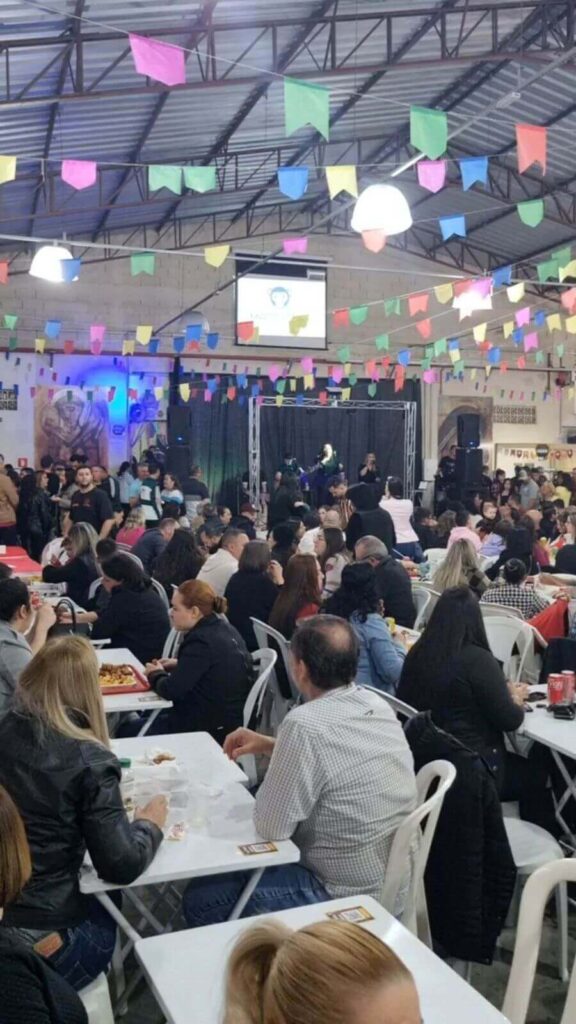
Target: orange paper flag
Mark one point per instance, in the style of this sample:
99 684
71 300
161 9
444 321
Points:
424 328
531 141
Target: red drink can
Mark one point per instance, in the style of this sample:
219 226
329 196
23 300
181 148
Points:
569 685
555 688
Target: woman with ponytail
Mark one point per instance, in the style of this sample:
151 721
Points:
209 681
331 972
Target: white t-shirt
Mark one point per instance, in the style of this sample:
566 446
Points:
401 511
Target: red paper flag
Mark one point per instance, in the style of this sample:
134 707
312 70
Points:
245 331
3 271
568 300
531 141
231 394
503 367
341 317
68 346
386 360
461 286
418 303
399 378
193 346
521 363
323 397
424 328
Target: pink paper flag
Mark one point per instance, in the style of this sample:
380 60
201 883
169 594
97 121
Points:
521 363
295 245
97 332
432 174
96 345
79 173
273 373
482 286
418 303
307 365
568 299
530 341
207 395
430 376
523 316
337 374
424 328
160 61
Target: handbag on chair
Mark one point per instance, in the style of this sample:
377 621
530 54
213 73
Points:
73 628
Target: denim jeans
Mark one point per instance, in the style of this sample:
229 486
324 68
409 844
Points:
211 900
412 550
86 950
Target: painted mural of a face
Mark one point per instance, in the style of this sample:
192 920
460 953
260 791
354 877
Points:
73 425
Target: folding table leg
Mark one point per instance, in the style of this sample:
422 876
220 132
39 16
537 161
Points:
151 718
246 894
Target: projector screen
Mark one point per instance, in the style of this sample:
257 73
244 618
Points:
271 300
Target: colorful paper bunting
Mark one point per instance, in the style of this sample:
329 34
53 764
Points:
291 246
193 332
554 322
568 271
431 174
358 315
424 328
494 356
382 342
450 226
142 263
570 324
530 341
200 179
341 317
70 270
474 170
344 354
165 176
245 330
162 62
516 291
440 346
68 346
479 332
144 333
3 271
305 103
128 346
10 321
444 292
429 131
214 255
418 303
531 141
522 316
404 357
568 299
342 178
39 346
531 212
501 276
212 340
293 181
546 270
52 329
79 173
7 168
508 328
393 306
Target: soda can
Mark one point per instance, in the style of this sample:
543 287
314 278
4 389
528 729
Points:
569 685
555 688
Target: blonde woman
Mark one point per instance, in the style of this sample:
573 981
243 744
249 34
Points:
333 972
134 527
460 568
56 764
80 569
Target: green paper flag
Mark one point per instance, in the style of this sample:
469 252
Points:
13 342
440 346
344 354
548 269
142 263
352 378
305 103
429 351
280 386
459 366
560 350
393 306
531 213
372 390
429 131
10 321
426 363
165 176
358 314
382 342
539 356
200 179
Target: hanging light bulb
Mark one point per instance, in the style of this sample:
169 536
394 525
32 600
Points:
381 208
475 299
47 263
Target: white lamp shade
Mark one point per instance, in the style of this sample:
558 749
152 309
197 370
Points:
382 208
47 263
470 302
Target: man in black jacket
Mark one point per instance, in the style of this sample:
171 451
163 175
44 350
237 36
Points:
152 543
368 519
392 580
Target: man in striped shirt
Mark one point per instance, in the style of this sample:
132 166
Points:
340 781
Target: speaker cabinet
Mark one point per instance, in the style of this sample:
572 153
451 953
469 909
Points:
179 424
178 461
469 467
468 429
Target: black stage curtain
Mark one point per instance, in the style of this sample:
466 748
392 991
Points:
220 436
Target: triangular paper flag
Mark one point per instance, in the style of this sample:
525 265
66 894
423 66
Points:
142 263
293 246
474 170
424 328
143 334
374 240
382 342
429 131
7 169
10 321
70 270
522 316
3 271
128 347
39 345
516 291
52 329
342 178
165 176
531 142
184 390
393 306
570 324
293 181
214 255
554 322
79 173
479 332
200 179
452 226
431 174
501 276
508 328
531 212
245 330
546 270
568 299
568 271
444 292
358 314
530 341
440 346
163 62
341 318
418 303
305 103
562 256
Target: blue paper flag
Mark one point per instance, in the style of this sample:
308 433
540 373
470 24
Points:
293 181
153 345
494 355
452 226
193 332
502 276
518 336
474 169
539 318
70 269
178 343
52 329
241 380
255 391
453 343
299 399
404 357
212 340
212 385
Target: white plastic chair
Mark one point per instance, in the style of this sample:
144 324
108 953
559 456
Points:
265 660
487 561
532 847
504 634
94 587
96 1000
264 634
521 978
500 610
161 593
404 848
434 557
172 643
422 599
402 709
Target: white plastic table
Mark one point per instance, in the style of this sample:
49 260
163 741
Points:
118 702
559 735
202 757
186 969
211 850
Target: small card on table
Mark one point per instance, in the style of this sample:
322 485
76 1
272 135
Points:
353 915
253 848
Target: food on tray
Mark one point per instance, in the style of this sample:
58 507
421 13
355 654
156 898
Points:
163 755
117 675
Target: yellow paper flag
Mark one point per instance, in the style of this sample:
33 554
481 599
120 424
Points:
216 254
158 394
568 271
184 390
345 394
292 384
479 332
347 369
508 328
143 334
570 324
473 374
279 400
7 169
444 292
308 381
40 345
297 323
128 347
516 291
488 371
554 322
570 393
454 354
342 178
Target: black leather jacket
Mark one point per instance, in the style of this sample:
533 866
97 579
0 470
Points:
68 794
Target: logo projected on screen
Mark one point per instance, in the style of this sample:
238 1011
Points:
279 297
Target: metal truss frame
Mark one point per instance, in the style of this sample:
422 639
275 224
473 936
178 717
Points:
407 409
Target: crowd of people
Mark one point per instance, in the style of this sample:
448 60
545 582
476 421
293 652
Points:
142 553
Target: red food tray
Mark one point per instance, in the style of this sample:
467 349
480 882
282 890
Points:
140 685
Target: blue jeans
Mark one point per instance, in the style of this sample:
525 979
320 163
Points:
86 950
412 550
211 900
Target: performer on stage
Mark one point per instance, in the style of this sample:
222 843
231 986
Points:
326 467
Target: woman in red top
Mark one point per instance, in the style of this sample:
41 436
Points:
300 596
133 528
